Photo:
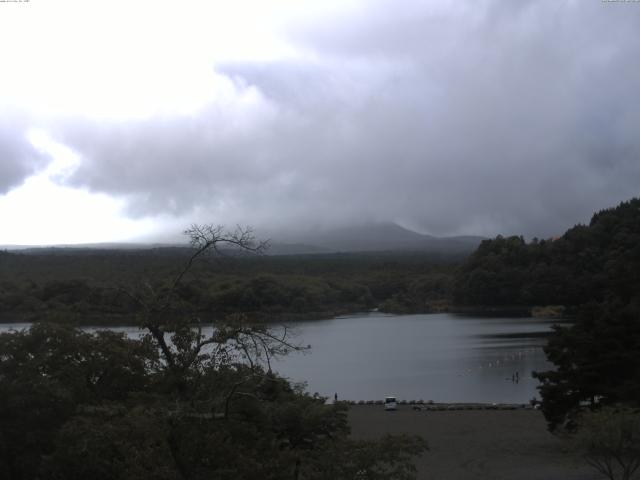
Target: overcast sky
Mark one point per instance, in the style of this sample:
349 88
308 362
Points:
127 121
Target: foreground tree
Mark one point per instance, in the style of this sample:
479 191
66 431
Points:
176 403
597 362
609 440
51 370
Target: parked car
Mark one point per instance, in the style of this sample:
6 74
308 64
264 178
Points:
390 403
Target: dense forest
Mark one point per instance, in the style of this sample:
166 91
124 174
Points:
174 404
588 263
594 270
592 262
88 285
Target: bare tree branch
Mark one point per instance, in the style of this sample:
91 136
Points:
233 342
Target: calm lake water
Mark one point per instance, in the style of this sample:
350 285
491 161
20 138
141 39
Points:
439 357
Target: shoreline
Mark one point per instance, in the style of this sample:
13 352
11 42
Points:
430 406
124 319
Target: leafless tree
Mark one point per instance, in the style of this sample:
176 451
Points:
181 340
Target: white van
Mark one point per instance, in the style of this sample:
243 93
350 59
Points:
390 403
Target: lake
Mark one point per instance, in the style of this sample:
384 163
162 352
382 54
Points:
440 357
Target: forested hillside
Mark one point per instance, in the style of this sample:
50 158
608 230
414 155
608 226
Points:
594 270
90 286
588 263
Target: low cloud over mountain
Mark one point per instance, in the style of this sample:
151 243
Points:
448 117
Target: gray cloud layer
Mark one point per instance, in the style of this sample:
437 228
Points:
18 157
495 117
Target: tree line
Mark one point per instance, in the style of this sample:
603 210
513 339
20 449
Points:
592 262
86 285
594 270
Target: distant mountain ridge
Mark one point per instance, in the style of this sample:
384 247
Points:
381 237
378 237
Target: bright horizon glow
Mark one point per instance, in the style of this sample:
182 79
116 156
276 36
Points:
117 60
54 214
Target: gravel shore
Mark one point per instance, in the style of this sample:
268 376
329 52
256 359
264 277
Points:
477 444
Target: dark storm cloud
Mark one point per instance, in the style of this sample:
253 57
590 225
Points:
496 117
18 157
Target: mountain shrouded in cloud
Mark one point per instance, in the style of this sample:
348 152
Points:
446 117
